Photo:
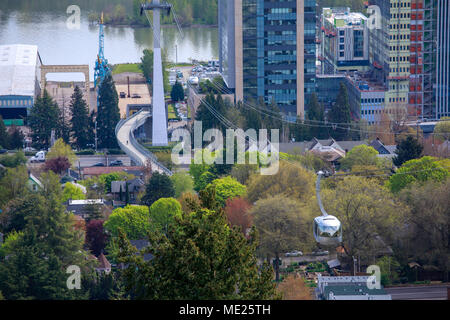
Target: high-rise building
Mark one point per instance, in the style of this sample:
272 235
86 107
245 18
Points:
390 48
345 41
410 52
268 51
442 59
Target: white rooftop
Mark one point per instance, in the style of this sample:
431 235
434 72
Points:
18 69
86 202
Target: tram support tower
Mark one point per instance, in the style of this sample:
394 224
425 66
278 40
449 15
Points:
159 118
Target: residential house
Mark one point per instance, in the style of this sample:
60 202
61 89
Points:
103 264
34 183
384 151
78 207
133 187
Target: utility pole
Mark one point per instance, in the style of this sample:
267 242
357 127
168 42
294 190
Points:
176 55
95 136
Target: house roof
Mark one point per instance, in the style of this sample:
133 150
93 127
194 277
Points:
140 245
103 262
35 180
132 185
96 171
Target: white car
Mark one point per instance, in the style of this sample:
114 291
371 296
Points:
294 254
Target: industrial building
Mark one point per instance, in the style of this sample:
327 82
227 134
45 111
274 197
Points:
20 67
348 288
345 41
268 51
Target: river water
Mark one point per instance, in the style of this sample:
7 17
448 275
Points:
59 45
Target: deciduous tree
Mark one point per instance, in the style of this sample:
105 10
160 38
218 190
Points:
199 258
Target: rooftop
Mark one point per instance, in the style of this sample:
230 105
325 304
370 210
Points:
18 69
95 171
342 17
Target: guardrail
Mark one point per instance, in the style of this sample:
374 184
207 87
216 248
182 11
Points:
132 140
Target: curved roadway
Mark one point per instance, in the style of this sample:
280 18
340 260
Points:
127 142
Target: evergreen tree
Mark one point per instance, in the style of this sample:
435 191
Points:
177 93
340 115
36 267
43 118
108 114
316 113
159 186
16 138
199 257
63 130
408 149
80 126
4 138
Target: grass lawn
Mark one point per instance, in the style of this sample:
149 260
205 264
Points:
126 67
172 113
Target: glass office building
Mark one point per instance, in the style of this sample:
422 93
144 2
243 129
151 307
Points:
274 51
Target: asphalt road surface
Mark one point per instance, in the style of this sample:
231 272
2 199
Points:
88 161
438 292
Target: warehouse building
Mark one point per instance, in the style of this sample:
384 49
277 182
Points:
20 68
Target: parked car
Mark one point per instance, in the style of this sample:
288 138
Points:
116 163
136 96
123 95
98 164
3 151
294 254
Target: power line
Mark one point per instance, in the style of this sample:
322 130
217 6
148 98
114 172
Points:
224 121
326 124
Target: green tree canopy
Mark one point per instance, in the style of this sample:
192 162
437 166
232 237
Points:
199 258
283 225
360 156
182 182
418 170
4 137
80 123
49 243
408 149
61 149
291 180
177 93
108 114
73 192
369 214
42 119
442 129
158 186
340 114
228 188
163 212
134 221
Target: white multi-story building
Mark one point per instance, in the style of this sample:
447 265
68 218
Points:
345 41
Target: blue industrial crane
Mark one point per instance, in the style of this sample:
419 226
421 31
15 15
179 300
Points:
101 64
